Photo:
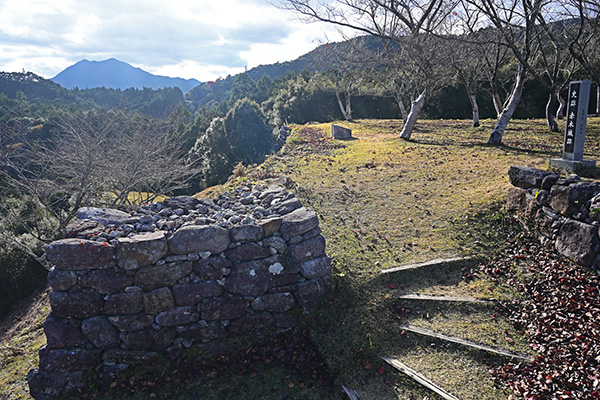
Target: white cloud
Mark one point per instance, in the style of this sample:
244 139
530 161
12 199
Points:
299 42
191 69
203 39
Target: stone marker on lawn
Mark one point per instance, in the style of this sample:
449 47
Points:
576 122
339 132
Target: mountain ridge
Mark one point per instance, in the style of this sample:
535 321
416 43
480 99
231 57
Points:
115 74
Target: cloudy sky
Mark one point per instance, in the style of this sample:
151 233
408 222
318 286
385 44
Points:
201 39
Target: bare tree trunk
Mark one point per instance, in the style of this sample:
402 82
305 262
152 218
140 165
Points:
402 109
508 111
560 113
348 106
346 111
412 117
475 108
552 100
598 99
498 106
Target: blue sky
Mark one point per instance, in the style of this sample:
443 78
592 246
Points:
201 39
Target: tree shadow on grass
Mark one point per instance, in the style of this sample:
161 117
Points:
475 144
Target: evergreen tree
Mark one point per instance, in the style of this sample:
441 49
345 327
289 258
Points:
243 86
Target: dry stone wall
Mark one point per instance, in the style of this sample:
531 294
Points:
565 212
130 289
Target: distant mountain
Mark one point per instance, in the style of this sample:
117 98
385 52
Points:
115 74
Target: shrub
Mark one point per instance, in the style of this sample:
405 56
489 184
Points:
20 274
242 137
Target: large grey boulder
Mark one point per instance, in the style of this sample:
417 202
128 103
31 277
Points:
158 300
247 251
277 302
105 216
527 177
61 280
46 385
131 323
84 304
578 241
183 202
594 211
310 292
79 254
250 278
100 332
247 233
516 200
316 267
566 200
61 334
219 309
201 332
150 339
141 250
120 356
64 360
155 276
84 228
193 238
178 316
270 226
124 304
106 281
298 222
251 323
193 293
307 249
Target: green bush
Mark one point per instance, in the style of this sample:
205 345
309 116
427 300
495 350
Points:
242 136
20 274
248 132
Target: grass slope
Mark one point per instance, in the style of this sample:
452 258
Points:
385 202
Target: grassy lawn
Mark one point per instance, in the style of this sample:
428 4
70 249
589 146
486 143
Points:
21 336
384 202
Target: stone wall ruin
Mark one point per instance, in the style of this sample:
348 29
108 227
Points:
128 289
564 212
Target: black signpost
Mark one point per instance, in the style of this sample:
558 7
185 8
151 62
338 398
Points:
576 123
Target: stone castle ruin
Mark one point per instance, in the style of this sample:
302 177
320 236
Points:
564 212
128 289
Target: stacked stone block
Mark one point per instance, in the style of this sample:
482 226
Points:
565 212
146 293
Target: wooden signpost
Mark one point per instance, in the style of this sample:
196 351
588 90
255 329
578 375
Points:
576 123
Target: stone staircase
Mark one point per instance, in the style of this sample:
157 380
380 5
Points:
470 348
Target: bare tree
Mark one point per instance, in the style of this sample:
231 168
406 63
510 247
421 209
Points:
516 21
94 158
150 161
345 80
499 77
393 83
478 52
425 69
553 68
466 60
583 35
537 35
54 179
401 24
